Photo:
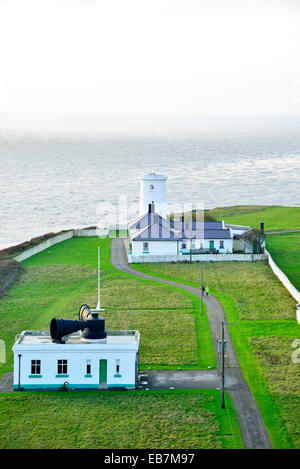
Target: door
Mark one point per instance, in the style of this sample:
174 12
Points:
103 372
211 245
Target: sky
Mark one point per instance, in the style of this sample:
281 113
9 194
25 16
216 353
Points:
66 62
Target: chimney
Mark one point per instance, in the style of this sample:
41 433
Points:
151 208
262 227
182 223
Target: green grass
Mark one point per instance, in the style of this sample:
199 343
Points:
274 218
264 316
179 419
285 250
55 282
259 294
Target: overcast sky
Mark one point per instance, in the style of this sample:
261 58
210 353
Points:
81 58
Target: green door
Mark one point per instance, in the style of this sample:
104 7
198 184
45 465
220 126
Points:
211 245
103 372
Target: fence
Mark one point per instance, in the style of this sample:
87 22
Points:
10 280
196 258
283 278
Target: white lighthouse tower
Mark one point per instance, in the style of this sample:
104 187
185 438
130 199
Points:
153 190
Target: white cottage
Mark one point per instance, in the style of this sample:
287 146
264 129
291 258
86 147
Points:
152 238
64 357
152 235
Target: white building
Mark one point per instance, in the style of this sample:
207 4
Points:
48 360
152 238
151 234
153 191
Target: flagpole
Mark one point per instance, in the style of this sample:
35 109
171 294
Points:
98 304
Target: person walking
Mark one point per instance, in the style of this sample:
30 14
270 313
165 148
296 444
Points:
203 290
207 290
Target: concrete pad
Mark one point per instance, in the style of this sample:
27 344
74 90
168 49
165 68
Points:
183 379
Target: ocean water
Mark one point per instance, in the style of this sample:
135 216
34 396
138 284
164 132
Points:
53 181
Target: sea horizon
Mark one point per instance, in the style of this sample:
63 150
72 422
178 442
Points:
61 179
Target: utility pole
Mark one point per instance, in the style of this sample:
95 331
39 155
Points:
223 323
223 370
202 289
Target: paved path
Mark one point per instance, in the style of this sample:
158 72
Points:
250 421
6 383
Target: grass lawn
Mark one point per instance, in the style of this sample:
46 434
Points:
285 250
274 218
55 282
181 419
265 326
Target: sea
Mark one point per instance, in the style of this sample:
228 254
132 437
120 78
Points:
57 179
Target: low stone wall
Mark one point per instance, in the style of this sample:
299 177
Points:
80 233
283 278
197 258
84 233
44 245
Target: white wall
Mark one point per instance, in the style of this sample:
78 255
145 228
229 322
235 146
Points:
55 240
158 195
205 244
196 257
44 245
155 248
84 233
283 278
76 368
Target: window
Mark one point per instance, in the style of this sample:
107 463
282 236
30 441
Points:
183 245
88 367
146 247
151 187
35 367
62 367
117 366
221 244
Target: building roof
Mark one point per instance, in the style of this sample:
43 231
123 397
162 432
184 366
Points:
209 234
153 227
157 230
43 339
160 230
197 224
153 176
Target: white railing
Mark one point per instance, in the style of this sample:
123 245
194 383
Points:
283 278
